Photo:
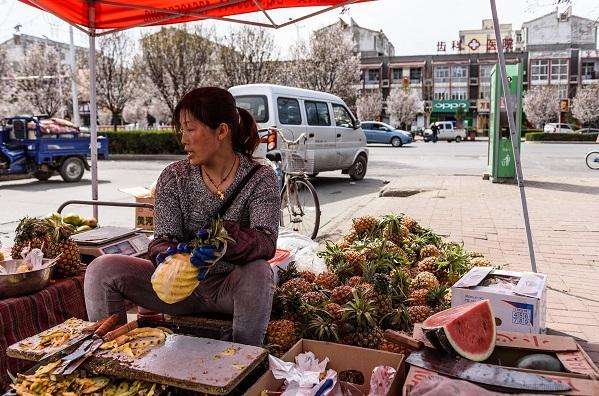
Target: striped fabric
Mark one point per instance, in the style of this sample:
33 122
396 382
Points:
22 317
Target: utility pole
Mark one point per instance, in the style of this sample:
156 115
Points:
74 94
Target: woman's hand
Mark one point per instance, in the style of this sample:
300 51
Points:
202 258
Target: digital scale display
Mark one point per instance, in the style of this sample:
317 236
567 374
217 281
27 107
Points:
124 247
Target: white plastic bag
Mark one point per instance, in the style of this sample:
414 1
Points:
303 249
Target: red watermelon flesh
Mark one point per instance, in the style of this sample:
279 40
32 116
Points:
468 330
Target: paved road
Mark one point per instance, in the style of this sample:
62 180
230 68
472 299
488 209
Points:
338 196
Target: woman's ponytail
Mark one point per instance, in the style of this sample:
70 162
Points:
246 140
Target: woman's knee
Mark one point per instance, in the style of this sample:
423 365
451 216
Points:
257 272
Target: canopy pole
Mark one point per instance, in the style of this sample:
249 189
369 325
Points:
93 127
509 105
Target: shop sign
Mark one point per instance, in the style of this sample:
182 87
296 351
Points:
450 106
483 106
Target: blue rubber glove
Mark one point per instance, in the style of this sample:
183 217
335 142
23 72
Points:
160 257
184 248
201 258
171 250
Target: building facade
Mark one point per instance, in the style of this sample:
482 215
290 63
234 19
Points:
367 42
454 87
17 48
562 52
483 39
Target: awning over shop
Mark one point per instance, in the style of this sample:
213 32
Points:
407 64
124 14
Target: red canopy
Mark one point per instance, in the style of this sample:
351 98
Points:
123 14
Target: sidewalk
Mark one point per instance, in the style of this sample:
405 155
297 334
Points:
487 218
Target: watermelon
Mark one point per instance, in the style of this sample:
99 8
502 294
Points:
468 330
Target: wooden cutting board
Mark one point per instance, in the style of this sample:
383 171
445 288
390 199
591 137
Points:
198 364
27 349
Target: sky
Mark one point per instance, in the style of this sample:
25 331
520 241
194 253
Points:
414 27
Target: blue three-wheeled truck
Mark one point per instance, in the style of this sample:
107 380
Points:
42 147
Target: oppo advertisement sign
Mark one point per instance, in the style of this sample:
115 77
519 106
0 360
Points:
450 106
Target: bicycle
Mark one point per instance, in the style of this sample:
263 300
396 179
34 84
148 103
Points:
592 160
300 206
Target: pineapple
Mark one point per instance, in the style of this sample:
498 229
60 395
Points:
397 319
394 230
436 298
335 310
425 280
356 261
479 262
355 281
419 297
428 264
341 294
327 280
408 222
282 333
69 263
359 316
323 327
308 276
286 274
334 259
419 313
371 337
288 304
296 285
381 294
30 232
429 251
365 226
314 299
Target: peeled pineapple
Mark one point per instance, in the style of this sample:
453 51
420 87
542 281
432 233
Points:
175 279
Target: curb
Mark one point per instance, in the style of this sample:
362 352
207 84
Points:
556 142
145 157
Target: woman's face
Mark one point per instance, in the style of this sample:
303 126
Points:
200 141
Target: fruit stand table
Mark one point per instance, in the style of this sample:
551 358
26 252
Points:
22 317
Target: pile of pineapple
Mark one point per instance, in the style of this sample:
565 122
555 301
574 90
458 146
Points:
52 236
387 273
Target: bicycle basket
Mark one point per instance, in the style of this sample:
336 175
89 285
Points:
296 158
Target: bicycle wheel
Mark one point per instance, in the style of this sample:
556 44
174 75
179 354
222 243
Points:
593 160
300 208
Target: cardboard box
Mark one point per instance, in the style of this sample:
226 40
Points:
518 299
342 358
144 217
579 386
510 347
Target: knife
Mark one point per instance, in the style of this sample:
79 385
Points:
87 346
482 373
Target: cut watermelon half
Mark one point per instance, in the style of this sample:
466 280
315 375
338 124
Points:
468 330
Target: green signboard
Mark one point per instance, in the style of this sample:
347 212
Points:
450 106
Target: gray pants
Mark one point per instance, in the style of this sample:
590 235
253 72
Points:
246 292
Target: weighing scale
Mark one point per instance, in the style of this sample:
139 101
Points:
111 240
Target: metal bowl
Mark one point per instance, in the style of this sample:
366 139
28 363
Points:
12 285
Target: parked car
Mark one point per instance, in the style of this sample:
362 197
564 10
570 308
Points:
379 132
335 140
447 131
588 130
554 127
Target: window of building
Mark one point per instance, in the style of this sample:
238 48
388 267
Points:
562 91
396 74
484 73
441 93
459 93
373 76
415 75
459 73
559 69
289 111
441 74
539 70
484 91
318 113
342 117
590 70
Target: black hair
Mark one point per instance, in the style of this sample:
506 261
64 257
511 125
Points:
213 106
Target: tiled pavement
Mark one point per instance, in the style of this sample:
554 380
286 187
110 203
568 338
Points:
487 217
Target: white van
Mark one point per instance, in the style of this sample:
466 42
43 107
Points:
335 140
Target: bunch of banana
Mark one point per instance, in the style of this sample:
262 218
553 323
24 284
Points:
137 342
